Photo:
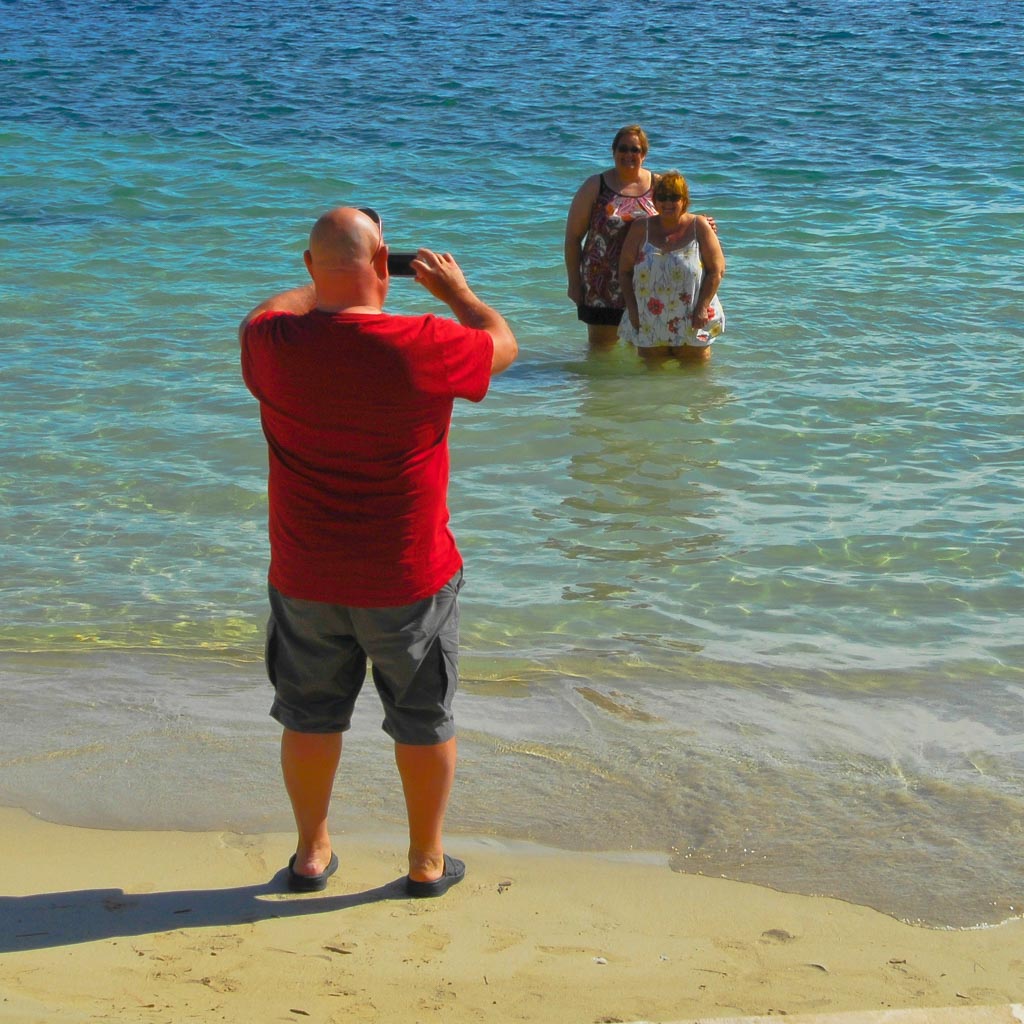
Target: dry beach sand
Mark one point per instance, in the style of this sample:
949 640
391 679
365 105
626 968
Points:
170 926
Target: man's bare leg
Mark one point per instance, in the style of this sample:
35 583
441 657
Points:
427 777
309 762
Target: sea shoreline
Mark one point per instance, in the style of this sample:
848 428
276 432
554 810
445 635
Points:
153 926
777 786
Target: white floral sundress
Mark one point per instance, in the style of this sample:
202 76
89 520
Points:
667 285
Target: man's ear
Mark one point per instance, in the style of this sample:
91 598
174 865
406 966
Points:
307 258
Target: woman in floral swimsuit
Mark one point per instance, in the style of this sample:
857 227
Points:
670 269
600 214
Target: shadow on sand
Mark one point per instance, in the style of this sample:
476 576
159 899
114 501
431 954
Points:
54 919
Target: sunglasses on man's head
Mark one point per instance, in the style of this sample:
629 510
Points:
370 212
628 149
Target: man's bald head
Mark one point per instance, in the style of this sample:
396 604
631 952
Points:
346 260
343 238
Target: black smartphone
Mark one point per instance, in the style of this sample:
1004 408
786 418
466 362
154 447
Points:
399 264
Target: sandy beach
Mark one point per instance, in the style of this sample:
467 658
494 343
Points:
171 926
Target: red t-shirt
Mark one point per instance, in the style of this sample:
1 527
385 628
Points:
356 408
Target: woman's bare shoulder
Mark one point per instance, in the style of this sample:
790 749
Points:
704 226
593 182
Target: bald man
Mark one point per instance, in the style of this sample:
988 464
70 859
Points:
355 404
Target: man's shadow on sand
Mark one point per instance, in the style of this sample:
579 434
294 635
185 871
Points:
54 919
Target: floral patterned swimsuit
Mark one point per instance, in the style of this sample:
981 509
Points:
667 285
609 221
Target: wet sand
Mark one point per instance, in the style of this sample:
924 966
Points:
171 926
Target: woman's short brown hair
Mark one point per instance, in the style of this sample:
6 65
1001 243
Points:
670 185
632 129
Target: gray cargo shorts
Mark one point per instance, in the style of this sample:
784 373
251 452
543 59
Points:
316 656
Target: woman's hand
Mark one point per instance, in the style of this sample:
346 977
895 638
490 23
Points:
701 316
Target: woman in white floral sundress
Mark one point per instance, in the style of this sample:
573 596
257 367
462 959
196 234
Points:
670 270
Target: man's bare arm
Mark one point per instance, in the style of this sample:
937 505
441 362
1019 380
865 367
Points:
296 300
444 279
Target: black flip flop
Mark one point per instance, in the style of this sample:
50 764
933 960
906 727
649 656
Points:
310 883
454 872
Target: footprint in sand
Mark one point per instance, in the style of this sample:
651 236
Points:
430 940
499 940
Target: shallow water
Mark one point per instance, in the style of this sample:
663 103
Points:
764 613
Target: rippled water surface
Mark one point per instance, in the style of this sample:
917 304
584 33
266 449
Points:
764 615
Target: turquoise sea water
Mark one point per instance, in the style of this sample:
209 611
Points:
764 615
